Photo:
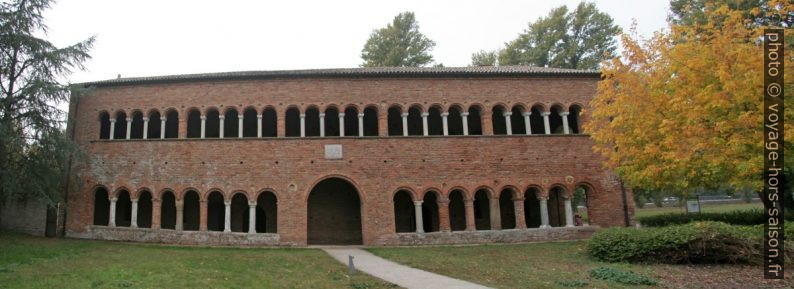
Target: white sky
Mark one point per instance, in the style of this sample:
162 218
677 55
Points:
146 38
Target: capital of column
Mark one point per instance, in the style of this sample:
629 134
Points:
303 115
519 199
466 113
222 117
468 203
424 114
360 115
145 118
203 117
404 114
564 113
227 203
179 204
259 116
418 203
240 116
528 113
114 199
509 113
134 200
444 114
112 120
129 120
251 204
341 114
545 113
322 114
542 198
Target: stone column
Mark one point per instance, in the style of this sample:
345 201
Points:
303 124
496 216
545 115
162 128
418 213
465 116
134 215
222 125
112 127
227 223
508 122
405 123
180 219
518 204
544 212
527 124
424 123
203 126
341 124
258 125
112 220
240 119
203 215
444 122
564 116
568 212
129 127
251 217
145 127
157 208
322 124
469 204
443 215
360 124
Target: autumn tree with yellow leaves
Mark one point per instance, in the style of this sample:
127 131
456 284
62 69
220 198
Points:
684 110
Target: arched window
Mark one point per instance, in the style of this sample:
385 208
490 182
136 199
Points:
573 119
517 120
404 217
556 205
239 213
370 121
351 121
507 211
474 121
123 209
454 121
153 126
395 121
457 211
581 204
120 129
270 124
212 127
498 120
434 124
482 210
104 125
415 126
172 124
250 122
555 120
430 220
536 120
532 207
331 119
194 124
216 211
312 121
231 123
266 213
293 122
101 207
168 211
191 211
144 217
136 129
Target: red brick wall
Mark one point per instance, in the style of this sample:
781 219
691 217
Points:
377 166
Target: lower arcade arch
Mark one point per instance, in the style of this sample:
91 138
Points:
334 213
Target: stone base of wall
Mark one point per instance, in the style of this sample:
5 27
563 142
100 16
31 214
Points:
29 217
165 236
485 237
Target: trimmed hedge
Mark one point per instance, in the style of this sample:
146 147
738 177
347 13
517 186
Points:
698 242
739 217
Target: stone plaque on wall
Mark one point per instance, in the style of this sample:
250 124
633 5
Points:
333 152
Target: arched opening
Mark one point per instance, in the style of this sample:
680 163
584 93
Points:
556 207
266 213
415 126
216 211
172 124
123 209
168 211
555 120
370 121
581 204
573 118
517 120
474 120
101 207
212 127
434 123
395 121
144 209
334 213
507 210
482 210
194 124
231 123
250 122
498 120
331 121
532 208
270 123
457 211
104 125
153 128
536 120
312 122
136 128
404 216
191 211
293 122
239 214
351 121
454 121
430 212
120 128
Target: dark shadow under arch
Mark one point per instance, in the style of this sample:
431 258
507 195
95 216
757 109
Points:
334 213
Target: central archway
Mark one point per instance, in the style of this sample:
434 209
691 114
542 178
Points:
334 213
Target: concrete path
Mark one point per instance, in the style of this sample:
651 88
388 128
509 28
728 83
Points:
401 275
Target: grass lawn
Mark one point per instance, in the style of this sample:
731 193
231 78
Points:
28 262
707 207
560 264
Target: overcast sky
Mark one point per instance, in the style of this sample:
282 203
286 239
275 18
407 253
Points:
147 38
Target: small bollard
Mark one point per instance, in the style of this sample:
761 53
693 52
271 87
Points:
351 269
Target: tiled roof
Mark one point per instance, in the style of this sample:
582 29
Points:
474 71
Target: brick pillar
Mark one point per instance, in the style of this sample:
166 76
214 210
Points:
203 217
496 216
383 123
443 215
470 226
487 123
518 204
281 123
182 123
156 211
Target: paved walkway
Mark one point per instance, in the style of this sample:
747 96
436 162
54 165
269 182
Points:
401 275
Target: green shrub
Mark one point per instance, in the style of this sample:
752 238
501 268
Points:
699 242
630 278
739 217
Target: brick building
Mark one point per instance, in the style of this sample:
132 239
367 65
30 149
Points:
373 156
